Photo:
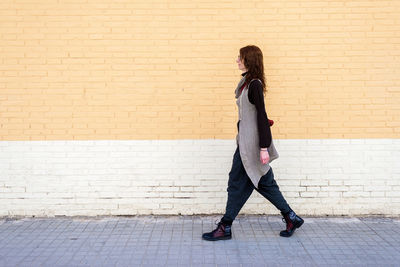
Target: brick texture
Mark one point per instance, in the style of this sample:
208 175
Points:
95 69
317 177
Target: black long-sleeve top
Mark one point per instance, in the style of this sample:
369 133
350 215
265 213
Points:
256 97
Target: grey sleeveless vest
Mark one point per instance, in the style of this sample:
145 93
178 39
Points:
247 137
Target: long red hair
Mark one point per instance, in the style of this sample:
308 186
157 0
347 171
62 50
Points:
253 61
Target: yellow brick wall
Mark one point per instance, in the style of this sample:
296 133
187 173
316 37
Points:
95 69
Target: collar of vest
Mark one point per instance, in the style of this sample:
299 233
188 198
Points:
240 84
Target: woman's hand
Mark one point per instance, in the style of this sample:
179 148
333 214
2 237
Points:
264 156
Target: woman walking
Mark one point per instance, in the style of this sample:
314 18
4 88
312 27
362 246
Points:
255 149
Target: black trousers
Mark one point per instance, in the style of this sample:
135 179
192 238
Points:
240 188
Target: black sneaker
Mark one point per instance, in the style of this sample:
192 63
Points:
222 232
292 222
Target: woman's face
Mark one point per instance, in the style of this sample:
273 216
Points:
240 63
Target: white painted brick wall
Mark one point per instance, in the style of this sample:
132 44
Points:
317 177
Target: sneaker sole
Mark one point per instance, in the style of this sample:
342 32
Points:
216 239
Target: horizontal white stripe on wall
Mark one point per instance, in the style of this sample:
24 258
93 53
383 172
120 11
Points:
317 177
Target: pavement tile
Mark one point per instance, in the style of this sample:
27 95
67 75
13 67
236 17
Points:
176 241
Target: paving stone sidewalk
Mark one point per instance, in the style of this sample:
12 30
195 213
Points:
176 241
